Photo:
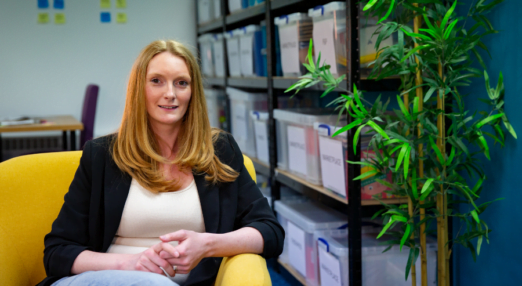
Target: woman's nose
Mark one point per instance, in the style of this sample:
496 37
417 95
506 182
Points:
170 92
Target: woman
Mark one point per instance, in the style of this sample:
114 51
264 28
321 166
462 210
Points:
166 197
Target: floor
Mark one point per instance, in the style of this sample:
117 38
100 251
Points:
281 278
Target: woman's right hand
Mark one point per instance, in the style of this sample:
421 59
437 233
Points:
149 261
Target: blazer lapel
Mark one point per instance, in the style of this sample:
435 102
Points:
116 191
209 198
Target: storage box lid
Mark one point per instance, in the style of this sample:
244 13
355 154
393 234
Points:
320 10
237 94
233 33
250 29
205 38
218 37
327 130
307 116
310 216
290 18
259 115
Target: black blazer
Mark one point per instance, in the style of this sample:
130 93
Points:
91 213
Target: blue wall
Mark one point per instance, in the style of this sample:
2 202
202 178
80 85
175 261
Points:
501 261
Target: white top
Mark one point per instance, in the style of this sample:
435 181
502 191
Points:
147 215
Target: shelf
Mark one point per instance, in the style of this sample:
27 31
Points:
286 82
211 26
303 186
216 81
277 4
294 272
248 82
245 14
260 167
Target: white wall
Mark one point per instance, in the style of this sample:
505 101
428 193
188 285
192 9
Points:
44 69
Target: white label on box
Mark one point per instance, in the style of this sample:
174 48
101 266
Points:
261 141
246 44
218 58
296 245
324 43
297 150
332 165
239 127
289 49
368 42
233 57
330 268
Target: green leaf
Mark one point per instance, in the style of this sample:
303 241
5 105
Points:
475 216
411 52
369 5
356 138
426 190
452 155
358 100
448 15
310 57
509 127
348 127
406 235
414 183
407 162
488 119
366 174
484 144
447 33
403 108
378 129
385 228
401 156
478 184
327 91
437 151
392 5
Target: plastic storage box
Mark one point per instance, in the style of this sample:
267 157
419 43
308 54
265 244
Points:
207 55
236 5
330 35
241 104
216 107
377 268
295 31
205 11
298 142
250 46
234 61
261 134
334 153
219 55
217 8
300 219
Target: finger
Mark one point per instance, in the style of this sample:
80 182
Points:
173 251
174 236
165 255
144 264
181 269
158 261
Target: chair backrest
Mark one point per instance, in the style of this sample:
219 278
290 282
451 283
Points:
89 113
32 188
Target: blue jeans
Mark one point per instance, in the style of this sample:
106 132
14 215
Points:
115 278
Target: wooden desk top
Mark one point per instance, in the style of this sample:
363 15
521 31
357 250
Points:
61 122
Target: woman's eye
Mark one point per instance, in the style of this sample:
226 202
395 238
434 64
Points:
155 80
183 83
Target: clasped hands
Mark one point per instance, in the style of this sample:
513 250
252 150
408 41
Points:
192 247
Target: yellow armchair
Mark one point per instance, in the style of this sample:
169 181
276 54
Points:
31 194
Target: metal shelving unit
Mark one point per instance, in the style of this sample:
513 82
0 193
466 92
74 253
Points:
355 75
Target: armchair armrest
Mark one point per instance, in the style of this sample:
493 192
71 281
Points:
12 268
243 269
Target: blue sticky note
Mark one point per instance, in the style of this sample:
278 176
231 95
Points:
105 17
42 4
58 4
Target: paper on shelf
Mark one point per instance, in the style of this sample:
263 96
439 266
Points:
329 267
239 124
332 165
233 57
297 149
261 141
296 248
246 46
218 59
324 43
288 38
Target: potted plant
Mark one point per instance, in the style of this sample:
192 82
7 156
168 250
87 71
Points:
431 144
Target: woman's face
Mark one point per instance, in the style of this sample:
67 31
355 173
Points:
167 90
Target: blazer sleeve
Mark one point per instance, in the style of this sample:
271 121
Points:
69 234
253 209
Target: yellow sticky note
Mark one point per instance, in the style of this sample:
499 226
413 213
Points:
121 3
43 18
121 18
59 18
105 3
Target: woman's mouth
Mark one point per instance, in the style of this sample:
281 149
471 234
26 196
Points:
169 107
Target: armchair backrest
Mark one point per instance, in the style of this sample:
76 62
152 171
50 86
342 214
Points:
32 188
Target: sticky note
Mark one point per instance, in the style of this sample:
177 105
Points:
43 18
59 18
43 4
105 3
121 18
121 3
58 4
105 17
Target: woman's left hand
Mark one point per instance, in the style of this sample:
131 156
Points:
192 247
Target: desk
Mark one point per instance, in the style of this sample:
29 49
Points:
64 123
